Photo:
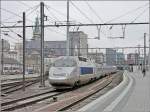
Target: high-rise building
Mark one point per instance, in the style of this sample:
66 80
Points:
120 58
111 56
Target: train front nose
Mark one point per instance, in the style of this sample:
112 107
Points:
60 78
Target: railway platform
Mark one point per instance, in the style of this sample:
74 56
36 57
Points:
134 96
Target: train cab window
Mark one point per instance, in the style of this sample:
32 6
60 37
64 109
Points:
65 62
82 59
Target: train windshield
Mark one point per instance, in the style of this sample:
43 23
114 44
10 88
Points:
65 62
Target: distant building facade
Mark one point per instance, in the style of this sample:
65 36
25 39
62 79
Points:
12 54
111 56
11 66
9 63
78 44
132 58
120 58
5 47
19 49
98 57
51 48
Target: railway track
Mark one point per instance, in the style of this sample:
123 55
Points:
83 98
104 85
14 86
67 103
22 102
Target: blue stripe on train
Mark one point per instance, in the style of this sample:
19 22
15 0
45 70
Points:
86 70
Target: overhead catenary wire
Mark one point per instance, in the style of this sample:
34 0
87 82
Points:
82 12
53 29
49 7
95 24
140 15
51 13
90 7
20 14
34 9
50 19
24 4
128 12
59 12
55 18
86 16
56 31
13 31
123 28
9 36
11 12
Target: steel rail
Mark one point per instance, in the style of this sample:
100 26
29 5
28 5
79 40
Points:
10 108
18 87
104 85
85 97
24 98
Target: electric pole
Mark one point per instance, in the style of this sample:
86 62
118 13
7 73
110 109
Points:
96 57
42 44
2 57
79 46
87 50
123 60
68 45
149 36
138 57
144 53
24 36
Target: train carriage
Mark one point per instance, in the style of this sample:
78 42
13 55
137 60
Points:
69 71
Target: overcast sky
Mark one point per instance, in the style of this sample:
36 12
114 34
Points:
106 10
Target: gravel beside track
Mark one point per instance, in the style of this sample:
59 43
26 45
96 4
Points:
14 86
22 102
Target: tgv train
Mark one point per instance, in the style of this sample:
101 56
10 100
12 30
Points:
70 71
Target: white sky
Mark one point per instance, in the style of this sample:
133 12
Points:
107 10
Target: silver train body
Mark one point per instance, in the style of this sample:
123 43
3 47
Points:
69 71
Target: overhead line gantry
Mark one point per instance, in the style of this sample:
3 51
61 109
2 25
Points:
63 25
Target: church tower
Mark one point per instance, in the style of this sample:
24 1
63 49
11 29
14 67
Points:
36 30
